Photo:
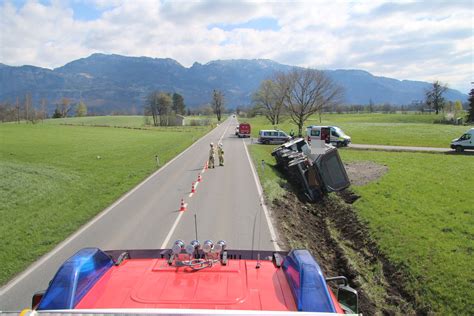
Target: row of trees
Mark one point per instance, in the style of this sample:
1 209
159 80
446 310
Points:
64 108
298 93
24 110
304 92
163 107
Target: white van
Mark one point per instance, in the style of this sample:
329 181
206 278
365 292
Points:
328 134
466 141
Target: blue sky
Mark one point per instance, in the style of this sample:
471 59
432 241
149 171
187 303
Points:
416 40
259 24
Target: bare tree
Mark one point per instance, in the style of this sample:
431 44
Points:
270 98
159 104
152 105
165 104
27 107
434 96
308 92
81 109
217 103
7 112
43 109
65 107
17 108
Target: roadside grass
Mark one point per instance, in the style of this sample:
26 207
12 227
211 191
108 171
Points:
272 180
56 178
378 129
120 120
421 216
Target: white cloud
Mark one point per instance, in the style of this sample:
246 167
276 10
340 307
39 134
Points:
406 40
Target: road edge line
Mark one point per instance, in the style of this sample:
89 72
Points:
262 201
81 229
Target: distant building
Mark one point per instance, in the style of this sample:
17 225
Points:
179 120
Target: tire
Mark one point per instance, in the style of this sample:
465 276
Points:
459 149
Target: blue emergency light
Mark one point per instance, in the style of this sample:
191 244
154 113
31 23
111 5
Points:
75 278
307 283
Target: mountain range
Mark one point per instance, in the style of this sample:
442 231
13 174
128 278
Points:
118 83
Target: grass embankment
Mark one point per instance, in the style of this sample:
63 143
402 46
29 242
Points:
420 213
379 129
53 182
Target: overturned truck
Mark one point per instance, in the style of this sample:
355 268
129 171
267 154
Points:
316 174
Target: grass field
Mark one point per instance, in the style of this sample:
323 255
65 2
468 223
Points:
118 120
421 215
380 129
53 182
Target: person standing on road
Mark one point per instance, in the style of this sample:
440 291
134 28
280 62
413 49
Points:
292 134
212 153
220 153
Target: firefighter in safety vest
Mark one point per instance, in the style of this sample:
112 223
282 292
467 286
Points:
220 153
212 153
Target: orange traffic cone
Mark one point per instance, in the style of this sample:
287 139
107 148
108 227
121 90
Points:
193 189
199 178
183 206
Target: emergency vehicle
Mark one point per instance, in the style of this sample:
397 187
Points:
328 134
466 141
194 279
244 130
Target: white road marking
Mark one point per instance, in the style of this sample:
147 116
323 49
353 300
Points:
64 243
171 232
195 188
262 201
225 131
168 237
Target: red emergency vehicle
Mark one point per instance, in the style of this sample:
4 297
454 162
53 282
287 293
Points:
192 279
244 130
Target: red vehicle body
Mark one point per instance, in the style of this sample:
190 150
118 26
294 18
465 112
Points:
244 130
166 280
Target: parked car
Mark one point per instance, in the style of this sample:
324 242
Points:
466 141
272 137
244 130
329 134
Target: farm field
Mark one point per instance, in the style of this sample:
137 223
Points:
119 120
378 129
56 178
421 216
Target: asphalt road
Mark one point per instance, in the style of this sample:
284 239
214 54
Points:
227 205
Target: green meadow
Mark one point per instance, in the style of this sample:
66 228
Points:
132 121
55 178
420 213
